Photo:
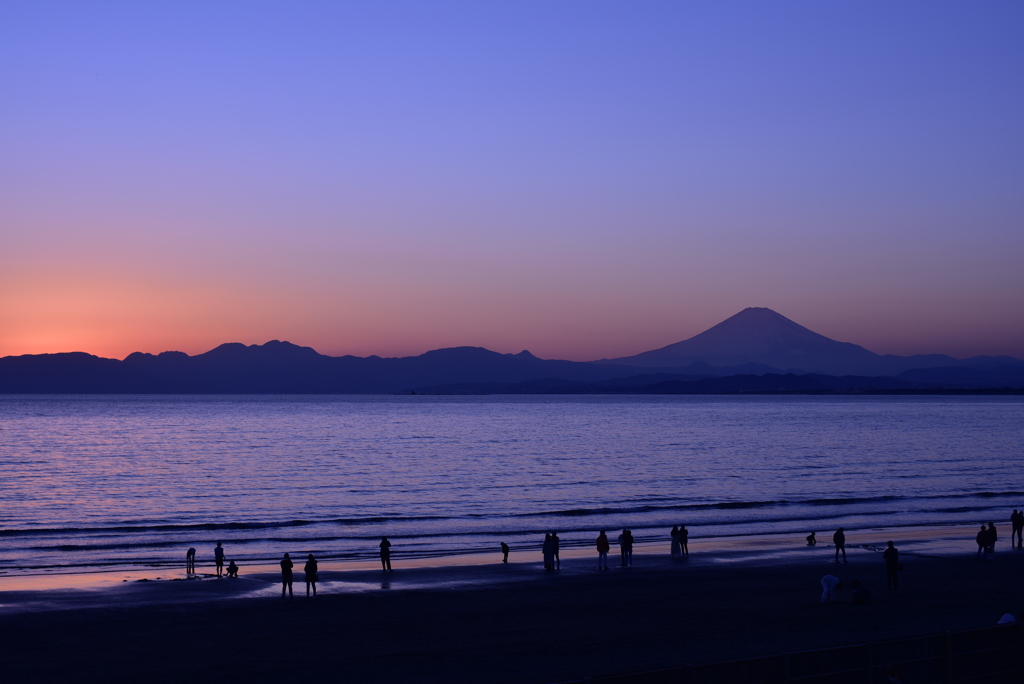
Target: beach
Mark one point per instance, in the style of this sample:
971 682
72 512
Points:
473 620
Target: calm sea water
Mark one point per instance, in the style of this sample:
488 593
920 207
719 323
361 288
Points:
105 481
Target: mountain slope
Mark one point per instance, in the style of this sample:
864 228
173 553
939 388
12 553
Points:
762 336
759 335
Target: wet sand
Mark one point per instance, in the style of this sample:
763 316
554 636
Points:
495 622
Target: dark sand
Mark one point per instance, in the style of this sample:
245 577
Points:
510 623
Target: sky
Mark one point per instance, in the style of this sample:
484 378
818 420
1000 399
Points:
580 179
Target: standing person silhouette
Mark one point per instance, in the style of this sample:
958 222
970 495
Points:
892 566
218 559
992 536
385 554
626 548
555 541
677 551
504 552
684 540
548 552
286 575
603 547
311 568
839 538
190 561
1016 529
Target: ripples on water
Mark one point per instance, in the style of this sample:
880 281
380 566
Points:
103 480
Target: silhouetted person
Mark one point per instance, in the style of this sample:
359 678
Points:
549 552
982 540
677 550
626 548
812 540
286 575
555 543
684 540
385 554
894 675
1017 522
861 594
839 539
190 562
312 574
830 584
603 547
504 552
892 566
232 570
992 536
218 559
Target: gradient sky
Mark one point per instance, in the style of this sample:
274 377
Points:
580 179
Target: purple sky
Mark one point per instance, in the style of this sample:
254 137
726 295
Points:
580 179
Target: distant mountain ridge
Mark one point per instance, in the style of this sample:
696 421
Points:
762 336
755 350
280 368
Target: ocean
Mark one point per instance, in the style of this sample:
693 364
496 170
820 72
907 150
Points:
109 482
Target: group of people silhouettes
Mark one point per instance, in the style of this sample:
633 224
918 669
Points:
830 584
987 535
311 568
679 548
218 560
680 541
838 539
550 548
986 539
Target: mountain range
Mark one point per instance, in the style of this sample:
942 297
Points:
757 350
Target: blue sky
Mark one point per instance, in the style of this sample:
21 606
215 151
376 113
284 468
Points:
583 180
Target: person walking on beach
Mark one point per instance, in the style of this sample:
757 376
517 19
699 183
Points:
555 542
839 538
504 552
626 548
892 566
684 540
385 554
312 570
190 561
218 558
286 575
830 584
676 549
603 547
548 552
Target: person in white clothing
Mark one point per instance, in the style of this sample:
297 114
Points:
830 584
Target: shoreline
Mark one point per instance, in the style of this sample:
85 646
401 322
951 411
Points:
52 590
495 622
